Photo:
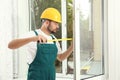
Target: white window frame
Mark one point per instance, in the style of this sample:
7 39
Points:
76 75
77 42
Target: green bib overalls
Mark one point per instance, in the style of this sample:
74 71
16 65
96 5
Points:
43 66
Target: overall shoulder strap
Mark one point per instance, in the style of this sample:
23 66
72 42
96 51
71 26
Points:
36 35
53 38
36 32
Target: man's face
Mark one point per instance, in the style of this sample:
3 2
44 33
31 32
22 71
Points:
53 27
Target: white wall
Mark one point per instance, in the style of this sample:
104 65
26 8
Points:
23 27
13 22
6 25
114 39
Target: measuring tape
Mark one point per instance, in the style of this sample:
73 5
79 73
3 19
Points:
62 39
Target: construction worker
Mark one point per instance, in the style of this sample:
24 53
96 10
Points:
42 54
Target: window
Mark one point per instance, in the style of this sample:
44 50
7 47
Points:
91 38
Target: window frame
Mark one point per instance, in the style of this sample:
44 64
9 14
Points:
64 34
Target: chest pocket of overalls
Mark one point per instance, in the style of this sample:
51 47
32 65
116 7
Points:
48 53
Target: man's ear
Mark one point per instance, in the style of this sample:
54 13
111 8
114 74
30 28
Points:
47 22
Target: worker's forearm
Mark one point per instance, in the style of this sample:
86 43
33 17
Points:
66 54
19 42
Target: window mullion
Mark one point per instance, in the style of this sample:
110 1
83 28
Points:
76 36
64 33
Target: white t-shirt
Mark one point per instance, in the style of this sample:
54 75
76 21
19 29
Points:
32 46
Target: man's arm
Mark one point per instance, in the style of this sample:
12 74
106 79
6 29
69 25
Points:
66 54
16 43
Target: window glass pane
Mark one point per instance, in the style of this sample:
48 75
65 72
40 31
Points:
36 8
91 57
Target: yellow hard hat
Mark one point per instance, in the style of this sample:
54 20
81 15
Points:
51 14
